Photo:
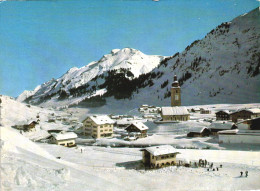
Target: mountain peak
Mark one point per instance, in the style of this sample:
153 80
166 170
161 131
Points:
129 59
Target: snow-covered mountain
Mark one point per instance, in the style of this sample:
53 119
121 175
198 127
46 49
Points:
223 67
126 59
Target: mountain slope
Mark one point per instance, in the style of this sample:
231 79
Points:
223 67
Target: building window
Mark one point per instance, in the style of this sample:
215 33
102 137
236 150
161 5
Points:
176 97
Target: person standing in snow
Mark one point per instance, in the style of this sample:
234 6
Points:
246 173
241 173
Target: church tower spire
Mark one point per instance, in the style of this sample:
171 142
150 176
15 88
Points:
175 93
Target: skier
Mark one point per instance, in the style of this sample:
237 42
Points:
246 173
241 173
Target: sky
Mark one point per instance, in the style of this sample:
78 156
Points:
40 40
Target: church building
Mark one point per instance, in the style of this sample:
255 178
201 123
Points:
175 112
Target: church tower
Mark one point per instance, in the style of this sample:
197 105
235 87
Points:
175 93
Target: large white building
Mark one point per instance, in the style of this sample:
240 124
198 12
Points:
98 126
239 136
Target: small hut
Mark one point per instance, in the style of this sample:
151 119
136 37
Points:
26 126
202 132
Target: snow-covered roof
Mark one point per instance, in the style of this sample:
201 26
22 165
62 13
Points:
221 125
233 131
199 130
123 122
161 150
64 135
174 111
25 122
139 125
101 119
226 111
252 110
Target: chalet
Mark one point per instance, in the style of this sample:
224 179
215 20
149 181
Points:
26 126
138 128
159 156
175 114
223 115
205 111
66 139
203 132
217 126
245 114
98 126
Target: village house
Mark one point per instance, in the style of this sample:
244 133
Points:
223 115
26 126
245 114
205 111
51 119
66 139
217 126
98 126
203 132
138 128
175 114
159 156
195 110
